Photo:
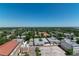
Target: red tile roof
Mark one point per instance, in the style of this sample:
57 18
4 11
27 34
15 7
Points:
8 47
44 33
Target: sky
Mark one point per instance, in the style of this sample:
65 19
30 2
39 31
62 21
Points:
39 15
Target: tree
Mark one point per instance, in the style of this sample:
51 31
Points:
37 51
42 35
59 36
12 37
3 40
77 41
69 52
26 54
3 34
40 39
27 38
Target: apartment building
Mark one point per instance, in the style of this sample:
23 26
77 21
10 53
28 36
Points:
70 44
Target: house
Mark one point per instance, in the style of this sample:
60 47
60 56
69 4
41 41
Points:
44 34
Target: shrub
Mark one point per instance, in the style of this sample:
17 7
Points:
77 41
37 51
2 41
40 39
69 52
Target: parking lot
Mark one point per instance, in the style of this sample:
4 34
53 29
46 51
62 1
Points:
51 51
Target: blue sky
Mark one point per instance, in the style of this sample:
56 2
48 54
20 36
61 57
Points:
50 15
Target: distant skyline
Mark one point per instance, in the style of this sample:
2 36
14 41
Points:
39 15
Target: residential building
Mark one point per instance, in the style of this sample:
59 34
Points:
70 44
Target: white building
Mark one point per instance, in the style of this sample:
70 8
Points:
38 42
53 40
69 44
21 37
